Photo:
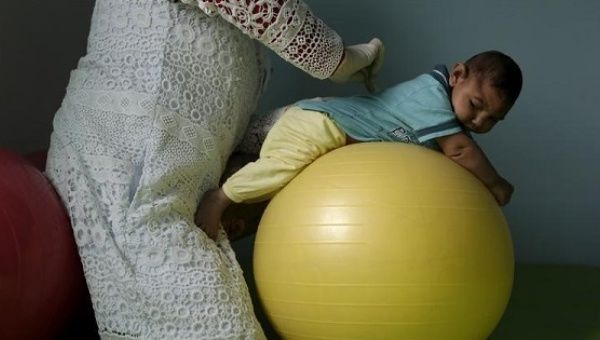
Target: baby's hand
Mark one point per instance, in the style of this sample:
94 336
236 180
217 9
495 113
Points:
502 191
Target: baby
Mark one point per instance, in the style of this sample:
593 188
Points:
437 110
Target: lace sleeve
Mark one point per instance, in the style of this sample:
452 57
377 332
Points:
287 27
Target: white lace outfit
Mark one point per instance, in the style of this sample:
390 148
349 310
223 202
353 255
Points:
150 117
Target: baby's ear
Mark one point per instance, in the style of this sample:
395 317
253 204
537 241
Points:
458 74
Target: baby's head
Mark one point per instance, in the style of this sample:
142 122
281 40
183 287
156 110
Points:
484 88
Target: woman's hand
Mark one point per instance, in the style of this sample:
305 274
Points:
360 63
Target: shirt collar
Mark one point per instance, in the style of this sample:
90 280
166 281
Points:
440 73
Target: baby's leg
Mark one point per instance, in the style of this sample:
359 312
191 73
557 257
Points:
258 128
240 219
296 140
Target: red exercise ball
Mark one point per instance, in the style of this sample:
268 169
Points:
41 280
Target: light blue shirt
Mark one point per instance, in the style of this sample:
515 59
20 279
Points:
416 111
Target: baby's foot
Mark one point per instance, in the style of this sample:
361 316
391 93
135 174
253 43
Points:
240 220
210 210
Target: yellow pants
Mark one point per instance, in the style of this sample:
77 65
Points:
295 140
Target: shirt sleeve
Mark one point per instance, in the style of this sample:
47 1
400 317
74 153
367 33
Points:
430 114
440 129
287 27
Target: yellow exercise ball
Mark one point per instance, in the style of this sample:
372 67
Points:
384 241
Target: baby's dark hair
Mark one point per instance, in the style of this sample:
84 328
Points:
500 70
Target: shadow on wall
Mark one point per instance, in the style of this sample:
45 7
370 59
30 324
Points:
40 43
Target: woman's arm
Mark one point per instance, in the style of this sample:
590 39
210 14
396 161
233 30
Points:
287 27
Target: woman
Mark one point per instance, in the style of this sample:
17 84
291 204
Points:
151 115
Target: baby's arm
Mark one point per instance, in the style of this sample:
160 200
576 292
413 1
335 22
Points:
463 150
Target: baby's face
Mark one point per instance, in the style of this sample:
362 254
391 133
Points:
477 104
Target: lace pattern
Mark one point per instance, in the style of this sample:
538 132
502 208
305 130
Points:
288 27
151 114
